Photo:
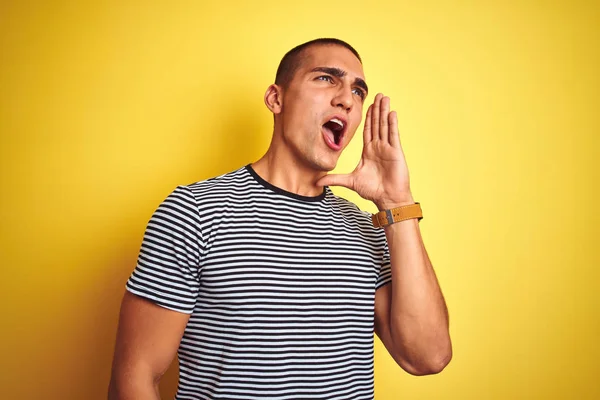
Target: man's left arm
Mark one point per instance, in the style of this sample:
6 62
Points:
411 317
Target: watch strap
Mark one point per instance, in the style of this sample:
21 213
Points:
388 217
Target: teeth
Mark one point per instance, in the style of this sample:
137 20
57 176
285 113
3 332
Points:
337 121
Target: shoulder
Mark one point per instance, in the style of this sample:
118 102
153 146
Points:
219 189
223 184
191 200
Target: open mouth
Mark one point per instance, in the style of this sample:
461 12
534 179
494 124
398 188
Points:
334 130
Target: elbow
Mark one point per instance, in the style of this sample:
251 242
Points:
430 364
431 367
119 390
133 384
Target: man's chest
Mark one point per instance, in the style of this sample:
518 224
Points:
280 255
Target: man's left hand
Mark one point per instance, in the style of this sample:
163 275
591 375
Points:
382 174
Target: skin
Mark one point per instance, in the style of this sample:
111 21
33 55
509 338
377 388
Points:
411 317
147 340
298 156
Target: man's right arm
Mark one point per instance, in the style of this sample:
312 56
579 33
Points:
147 340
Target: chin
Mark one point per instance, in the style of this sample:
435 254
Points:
325 165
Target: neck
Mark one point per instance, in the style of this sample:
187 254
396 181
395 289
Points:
281 169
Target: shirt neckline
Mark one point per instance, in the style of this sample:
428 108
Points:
283 192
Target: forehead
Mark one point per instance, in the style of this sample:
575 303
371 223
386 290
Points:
334 56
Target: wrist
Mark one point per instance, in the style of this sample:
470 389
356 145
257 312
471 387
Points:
398 202
401 213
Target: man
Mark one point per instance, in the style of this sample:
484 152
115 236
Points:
266 284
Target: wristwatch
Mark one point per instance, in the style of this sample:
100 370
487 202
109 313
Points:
388 217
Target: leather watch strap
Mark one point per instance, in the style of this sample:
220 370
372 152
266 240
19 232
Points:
388 217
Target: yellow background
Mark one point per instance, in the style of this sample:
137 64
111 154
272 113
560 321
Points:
105 108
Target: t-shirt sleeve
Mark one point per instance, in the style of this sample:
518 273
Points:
167 270
385 271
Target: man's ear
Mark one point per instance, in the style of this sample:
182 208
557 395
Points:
273 98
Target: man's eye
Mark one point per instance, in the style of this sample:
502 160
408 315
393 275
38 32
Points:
325 78
359 93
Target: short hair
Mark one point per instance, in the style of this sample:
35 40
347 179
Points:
291 61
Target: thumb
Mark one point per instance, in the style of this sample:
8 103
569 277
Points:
345 180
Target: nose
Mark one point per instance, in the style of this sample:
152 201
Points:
343 98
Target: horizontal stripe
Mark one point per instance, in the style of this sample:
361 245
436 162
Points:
280 289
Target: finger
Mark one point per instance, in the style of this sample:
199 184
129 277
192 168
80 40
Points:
383 119
394 133
336 180
367 137
375 117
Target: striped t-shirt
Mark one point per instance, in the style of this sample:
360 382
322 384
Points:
280 289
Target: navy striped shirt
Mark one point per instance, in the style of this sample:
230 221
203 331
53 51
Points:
280 289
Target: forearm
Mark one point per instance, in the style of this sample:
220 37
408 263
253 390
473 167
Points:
418 314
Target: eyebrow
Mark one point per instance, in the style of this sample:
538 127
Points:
340 73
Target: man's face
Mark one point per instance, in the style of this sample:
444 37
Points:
322 106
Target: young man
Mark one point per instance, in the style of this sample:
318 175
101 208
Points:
266 284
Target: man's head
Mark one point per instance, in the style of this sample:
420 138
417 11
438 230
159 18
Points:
317 101
292 60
